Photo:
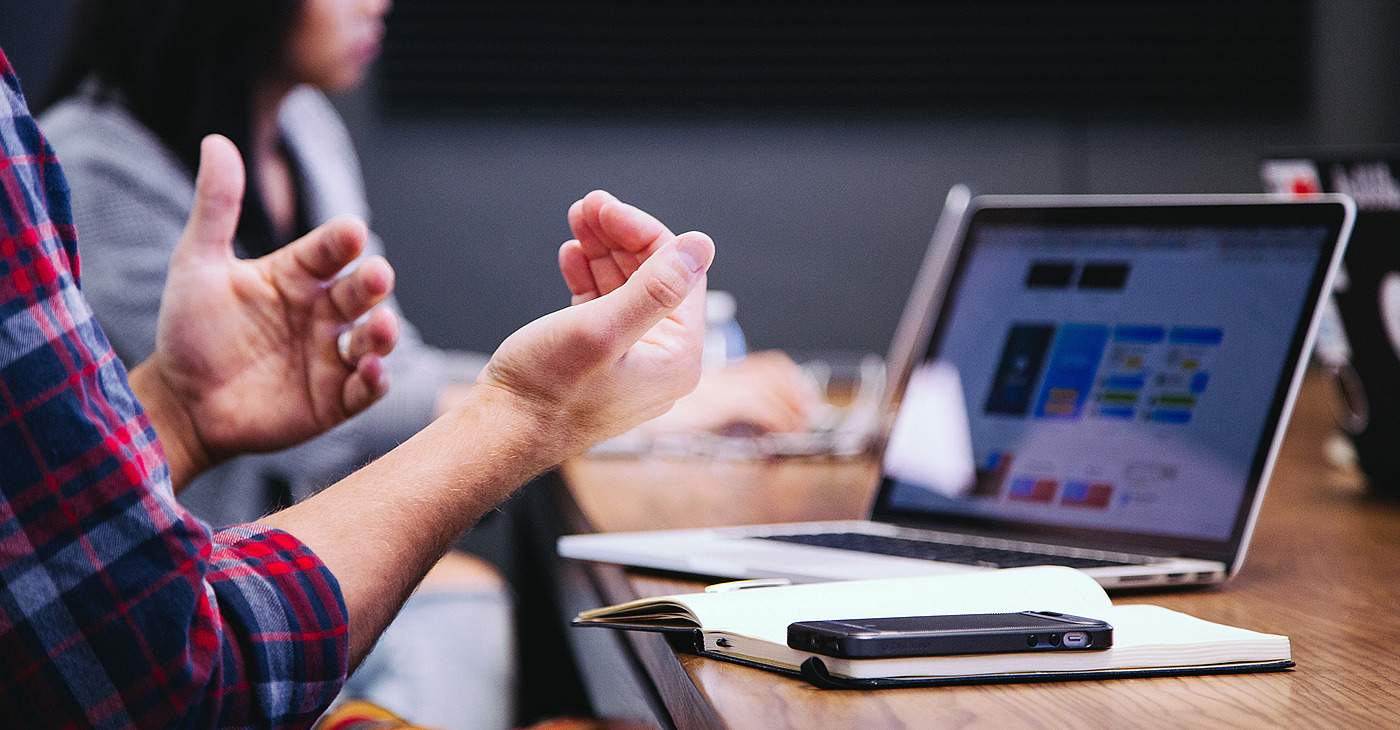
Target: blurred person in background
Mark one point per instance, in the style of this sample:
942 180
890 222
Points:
141 84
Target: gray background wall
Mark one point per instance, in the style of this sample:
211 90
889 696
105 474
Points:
820 223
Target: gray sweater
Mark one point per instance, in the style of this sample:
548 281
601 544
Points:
131 198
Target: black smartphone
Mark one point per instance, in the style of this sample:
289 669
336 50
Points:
972 633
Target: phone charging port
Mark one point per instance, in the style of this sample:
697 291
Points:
1076 640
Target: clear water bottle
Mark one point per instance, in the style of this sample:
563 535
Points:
724 340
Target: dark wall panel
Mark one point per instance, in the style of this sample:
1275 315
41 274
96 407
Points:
1249 55
821 218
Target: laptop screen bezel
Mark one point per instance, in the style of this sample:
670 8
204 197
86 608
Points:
1143 210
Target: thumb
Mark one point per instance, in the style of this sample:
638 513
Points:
218 199
658 288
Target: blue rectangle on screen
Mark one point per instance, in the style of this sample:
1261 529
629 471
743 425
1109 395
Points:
1196 336
1070 374
1144 334
1171 416
1022 487
995 460
1123 382
1198 382
1116 412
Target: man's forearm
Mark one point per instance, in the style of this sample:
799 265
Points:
623 354
380 529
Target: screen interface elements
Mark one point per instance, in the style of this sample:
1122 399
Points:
1117 378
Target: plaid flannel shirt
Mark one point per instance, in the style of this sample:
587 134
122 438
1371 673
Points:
118 609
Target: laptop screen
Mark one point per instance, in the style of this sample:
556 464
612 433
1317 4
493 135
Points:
1110 372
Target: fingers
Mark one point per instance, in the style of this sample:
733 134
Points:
774 417
377 335
573 264
604 224
323 252
772 411
776 373
367 384
630 227
661 288
614 238
606 273
583 221
762 413
369 342
218 199
792 411
762 392
734 400
362 289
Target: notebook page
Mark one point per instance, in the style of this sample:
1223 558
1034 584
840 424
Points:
1146 636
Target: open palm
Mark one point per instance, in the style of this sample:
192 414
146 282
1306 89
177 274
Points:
250 347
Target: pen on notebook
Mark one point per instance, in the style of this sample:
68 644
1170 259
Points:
739 585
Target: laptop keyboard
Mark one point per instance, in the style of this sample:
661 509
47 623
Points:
987 557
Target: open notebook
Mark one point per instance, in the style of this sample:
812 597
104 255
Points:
750 627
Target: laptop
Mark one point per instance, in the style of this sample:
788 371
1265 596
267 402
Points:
1100 382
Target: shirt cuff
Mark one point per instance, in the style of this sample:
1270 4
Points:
287 622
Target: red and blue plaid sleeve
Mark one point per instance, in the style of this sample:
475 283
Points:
119 609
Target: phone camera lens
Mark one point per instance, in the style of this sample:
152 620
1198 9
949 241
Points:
1054 640
1033 640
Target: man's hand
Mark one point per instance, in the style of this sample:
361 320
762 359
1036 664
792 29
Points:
247 355
766 392
630 345
621 355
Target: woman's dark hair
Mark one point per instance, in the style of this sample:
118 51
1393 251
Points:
185 69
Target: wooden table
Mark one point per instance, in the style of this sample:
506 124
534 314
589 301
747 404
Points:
1323 569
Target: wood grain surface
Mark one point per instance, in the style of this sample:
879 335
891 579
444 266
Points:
1323 569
